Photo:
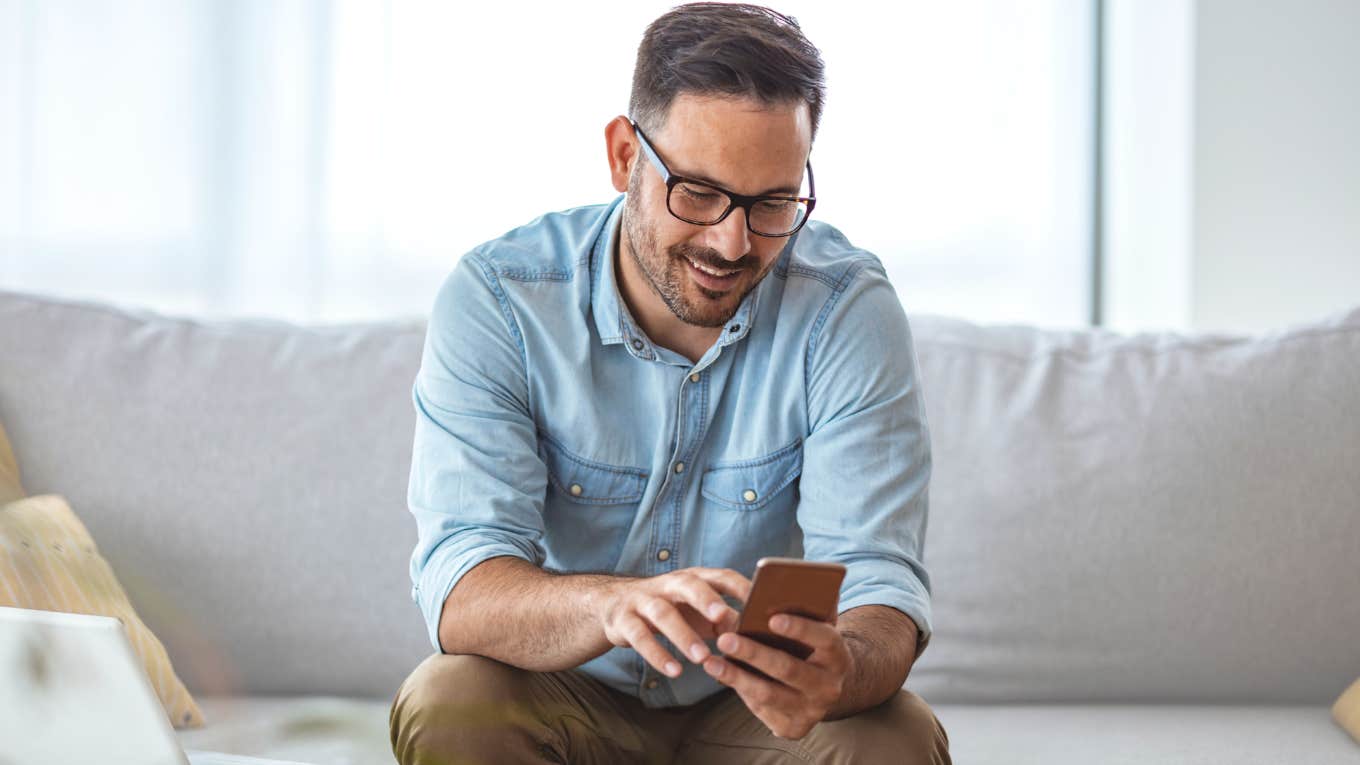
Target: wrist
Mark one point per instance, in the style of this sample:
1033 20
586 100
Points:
601 596
598 595
845 705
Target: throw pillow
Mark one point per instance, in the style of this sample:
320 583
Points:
10 488
1346 710
48 561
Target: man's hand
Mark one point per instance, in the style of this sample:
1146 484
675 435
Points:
803 690
685 605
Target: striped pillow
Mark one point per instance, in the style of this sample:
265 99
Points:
1346 710
49 562
10 488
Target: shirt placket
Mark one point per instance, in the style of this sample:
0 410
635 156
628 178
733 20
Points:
692 418
664 553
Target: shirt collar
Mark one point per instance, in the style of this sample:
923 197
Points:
604 292
615 323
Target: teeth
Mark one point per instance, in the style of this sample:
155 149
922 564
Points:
708 270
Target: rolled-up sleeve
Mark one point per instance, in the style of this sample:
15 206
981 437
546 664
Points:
477 482
866 460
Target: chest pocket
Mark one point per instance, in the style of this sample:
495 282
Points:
589 508
750 507
751 484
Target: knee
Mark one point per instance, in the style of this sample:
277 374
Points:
902 729
453 682
920 731
456 704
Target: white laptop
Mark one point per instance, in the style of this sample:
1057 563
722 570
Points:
73 692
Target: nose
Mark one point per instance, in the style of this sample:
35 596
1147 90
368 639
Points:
731 237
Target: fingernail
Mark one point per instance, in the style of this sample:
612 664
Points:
780 623
714 667
698 652
672 669
715 611
727 642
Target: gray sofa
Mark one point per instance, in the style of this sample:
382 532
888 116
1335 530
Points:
1142 548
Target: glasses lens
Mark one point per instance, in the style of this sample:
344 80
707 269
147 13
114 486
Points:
705 205
700 204
775 217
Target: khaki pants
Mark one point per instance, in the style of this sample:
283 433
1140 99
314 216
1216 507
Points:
466 710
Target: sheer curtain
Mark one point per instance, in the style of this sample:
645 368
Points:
330 161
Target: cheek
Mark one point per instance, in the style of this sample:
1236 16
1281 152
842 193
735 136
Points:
659 234
672 233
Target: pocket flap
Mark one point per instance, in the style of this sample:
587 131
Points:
749 484
589 482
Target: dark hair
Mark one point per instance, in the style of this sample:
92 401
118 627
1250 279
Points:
725 49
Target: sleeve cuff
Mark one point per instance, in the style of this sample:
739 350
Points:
912 602
443 570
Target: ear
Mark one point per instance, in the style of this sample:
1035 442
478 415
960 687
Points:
621 143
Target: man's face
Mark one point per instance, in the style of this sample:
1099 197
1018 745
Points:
741 145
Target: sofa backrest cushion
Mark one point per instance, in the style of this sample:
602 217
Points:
245 479
1154 517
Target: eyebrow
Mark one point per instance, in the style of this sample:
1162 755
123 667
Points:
785 190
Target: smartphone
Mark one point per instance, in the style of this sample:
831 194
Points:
789 586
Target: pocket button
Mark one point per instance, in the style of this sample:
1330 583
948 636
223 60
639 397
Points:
749 495
576 490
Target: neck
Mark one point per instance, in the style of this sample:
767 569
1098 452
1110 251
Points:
650 311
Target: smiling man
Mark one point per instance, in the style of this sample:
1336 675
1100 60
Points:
621 408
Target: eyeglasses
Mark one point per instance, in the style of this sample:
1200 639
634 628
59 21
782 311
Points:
705 204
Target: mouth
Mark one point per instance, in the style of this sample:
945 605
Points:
712 278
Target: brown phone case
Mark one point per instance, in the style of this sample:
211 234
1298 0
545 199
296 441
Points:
791 586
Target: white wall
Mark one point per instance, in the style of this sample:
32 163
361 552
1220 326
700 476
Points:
1232 182
1148 145
1276 162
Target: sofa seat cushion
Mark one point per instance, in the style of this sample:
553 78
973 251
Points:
333 730
1125 734
344 731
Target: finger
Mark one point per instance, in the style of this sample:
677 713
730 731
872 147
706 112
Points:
667 619
701 593
640 637
700 623
817 634
780 665
767 700
728 581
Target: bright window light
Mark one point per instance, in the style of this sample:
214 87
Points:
331 161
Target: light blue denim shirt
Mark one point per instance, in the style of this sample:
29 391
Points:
551 428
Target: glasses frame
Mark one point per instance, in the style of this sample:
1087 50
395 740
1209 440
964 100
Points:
735 200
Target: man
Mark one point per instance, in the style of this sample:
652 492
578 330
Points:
620 408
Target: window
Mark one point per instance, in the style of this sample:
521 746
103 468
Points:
331 161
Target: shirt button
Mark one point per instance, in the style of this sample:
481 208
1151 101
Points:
663 555
749 495
651 684
679 467
694 377
637 344
576 490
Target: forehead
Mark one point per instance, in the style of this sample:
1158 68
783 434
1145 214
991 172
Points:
740 143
